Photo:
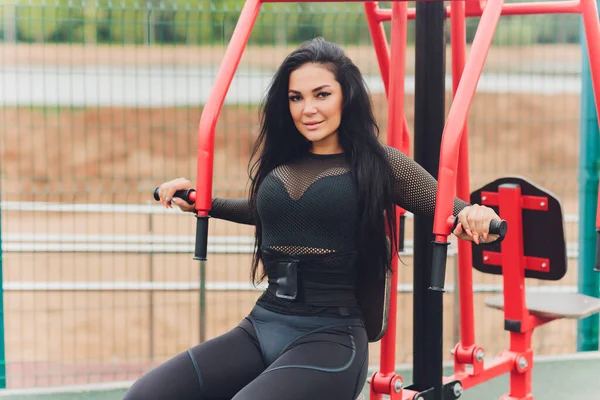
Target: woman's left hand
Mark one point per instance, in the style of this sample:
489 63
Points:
474 224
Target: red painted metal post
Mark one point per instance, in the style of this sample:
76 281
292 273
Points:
386 381
457 117
382 52
214 104
394 139
465 282
380 43
515 310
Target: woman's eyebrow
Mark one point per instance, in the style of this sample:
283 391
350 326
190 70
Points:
314 90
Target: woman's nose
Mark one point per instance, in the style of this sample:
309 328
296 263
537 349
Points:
309 108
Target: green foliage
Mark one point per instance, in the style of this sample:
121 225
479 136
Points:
205 22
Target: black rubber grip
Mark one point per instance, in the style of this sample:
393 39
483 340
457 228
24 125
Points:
597 267
201 246
498 227
182 194
438 266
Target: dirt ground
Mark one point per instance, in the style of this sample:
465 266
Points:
505 59
114 155
119 155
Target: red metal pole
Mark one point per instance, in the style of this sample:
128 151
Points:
395 139
513 271
554 7
379 43
465 282
457 117
383 58
214 104
589 12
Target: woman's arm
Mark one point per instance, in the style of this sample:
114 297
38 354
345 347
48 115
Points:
234 210
415 190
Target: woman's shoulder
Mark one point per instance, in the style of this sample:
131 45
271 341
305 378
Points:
392 152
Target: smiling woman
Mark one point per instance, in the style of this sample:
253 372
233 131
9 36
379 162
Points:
317 112
322 197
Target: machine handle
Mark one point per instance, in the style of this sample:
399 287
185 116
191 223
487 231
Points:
189 195
201 245
440 251
498 227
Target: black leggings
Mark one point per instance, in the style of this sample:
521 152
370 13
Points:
267 356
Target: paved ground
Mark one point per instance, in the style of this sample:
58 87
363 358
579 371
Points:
570 378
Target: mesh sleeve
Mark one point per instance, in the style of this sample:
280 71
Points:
234 210
415 189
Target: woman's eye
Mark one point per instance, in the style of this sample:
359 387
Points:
294 98
323 94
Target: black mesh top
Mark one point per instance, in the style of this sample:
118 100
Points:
310 207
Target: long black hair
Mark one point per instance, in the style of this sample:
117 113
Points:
279 142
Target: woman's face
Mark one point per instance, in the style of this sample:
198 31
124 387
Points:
315 100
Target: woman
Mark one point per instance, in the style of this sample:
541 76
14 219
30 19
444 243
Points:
323 190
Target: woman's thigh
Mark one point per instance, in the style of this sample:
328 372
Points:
214 370
326 365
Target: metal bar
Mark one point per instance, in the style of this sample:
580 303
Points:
156 248
429 116
121 238
395 139
150 296
465 271
2 351
126 208
225 287
572 249
458 114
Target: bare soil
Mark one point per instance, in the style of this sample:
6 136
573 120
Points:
504 59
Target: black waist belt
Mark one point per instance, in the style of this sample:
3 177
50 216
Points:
317 281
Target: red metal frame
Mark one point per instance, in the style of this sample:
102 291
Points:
393 68
518 359
453 169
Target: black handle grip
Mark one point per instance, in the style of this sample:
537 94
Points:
440 251
187 195
438 266
201 247
498 227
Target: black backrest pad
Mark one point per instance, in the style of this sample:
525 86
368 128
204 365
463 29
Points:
543 232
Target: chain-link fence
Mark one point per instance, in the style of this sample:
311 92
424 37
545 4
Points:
100 102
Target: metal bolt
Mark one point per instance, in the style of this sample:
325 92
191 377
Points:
457 389
522 362
397 385
543 204
543 265
479 356
483 198
485 258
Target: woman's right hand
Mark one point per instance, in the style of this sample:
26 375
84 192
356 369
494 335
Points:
167 190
